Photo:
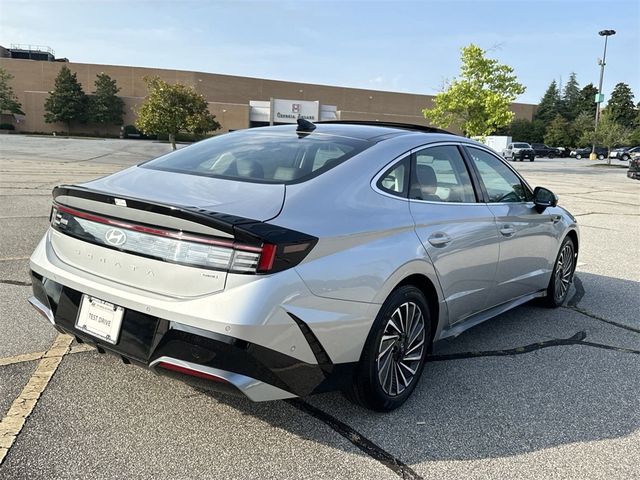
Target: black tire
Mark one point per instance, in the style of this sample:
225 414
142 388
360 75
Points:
625 158
566 261
531 159
551 156
601 157
578 156
367 389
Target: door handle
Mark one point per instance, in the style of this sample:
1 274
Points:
507 230
439 239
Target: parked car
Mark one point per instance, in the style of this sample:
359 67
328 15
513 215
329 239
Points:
579 153
519 151
634 166
624 153
542 150
284 261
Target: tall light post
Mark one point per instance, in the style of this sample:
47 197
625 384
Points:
599 96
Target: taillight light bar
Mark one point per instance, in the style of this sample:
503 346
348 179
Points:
174 246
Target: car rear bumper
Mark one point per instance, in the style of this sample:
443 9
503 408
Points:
204 359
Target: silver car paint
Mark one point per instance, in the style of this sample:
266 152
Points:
258 201
368 243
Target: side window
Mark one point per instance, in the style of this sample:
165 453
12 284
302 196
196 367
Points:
501 183
395 180
439 174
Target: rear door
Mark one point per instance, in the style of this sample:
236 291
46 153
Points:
528 238
457 231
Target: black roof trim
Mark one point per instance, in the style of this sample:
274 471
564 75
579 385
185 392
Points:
402 126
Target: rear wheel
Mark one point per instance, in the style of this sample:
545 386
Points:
578 156
562 275
394 354
600 157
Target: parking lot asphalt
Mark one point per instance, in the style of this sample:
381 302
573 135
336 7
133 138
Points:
533 393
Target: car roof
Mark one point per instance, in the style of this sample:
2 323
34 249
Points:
363 130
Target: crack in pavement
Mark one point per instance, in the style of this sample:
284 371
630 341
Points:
16 283
577 339
607 213
602 319
572 304
357 439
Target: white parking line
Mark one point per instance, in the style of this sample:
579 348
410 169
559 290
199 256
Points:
14 420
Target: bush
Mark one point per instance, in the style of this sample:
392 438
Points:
7 126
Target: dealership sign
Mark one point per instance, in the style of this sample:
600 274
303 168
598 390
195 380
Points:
288 111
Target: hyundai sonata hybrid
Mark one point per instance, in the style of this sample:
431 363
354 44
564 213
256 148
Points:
284 261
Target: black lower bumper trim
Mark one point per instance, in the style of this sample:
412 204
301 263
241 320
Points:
144 338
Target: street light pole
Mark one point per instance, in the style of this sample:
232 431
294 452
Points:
599 96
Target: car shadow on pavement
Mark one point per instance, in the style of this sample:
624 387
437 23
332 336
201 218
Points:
504 388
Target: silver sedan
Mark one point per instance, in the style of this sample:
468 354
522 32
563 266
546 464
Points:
284 261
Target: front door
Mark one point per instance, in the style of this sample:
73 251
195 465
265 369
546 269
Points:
527 237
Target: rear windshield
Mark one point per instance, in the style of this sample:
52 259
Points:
261 157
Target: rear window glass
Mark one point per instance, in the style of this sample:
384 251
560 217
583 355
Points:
261 157
521 145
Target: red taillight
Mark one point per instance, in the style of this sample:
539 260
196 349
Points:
191 372
267 257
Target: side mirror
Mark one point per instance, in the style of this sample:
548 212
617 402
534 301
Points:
544 198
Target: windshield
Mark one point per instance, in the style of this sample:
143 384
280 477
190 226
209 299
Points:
521 145
265 157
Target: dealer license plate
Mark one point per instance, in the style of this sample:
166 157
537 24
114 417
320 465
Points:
100 319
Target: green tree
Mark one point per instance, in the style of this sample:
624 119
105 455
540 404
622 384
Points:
587 101
105 106
169 109
549 104
558 132
570 98
579 128
67 102
621 107
8 100
478 101
609 134
523 130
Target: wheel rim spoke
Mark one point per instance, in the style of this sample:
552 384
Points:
401 348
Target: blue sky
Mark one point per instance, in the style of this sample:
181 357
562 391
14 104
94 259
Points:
399 45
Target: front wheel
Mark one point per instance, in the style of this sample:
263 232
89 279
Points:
625 158
578 157
394 354
600 157
562 274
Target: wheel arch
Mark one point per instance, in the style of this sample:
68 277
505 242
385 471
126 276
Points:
428 289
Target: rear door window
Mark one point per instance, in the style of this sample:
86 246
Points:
439 174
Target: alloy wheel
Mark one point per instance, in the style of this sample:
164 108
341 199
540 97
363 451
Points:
401 348
563 272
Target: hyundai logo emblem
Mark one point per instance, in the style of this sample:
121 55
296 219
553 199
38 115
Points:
115 237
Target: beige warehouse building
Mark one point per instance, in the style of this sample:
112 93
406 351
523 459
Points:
237 102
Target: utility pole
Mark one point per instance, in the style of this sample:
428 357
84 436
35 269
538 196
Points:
599 96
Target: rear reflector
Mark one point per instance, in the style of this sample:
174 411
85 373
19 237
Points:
191 372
